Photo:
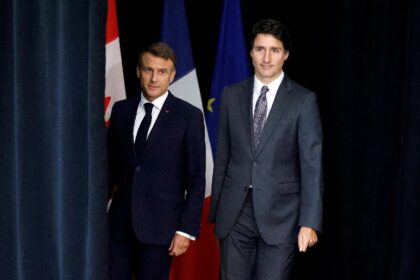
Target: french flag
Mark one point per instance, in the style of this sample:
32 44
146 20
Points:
201 259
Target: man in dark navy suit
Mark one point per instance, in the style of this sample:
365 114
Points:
156 156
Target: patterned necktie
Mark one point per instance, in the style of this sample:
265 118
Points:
260 114
143 129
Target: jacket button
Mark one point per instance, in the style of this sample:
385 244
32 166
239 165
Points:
138 168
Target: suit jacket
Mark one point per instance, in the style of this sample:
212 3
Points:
284 170
162 191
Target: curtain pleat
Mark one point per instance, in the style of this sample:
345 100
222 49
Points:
53 181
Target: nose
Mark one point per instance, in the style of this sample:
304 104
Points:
153 77
267 56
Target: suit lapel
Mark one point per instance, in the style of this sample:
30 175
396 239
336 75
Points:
131 120
281 101
245 101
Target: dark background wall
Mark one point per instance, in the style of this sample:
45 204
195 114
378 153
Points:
139 25
362 59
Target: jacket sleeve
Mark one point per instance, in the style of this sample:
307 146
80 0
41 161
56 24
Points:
196 164
310 155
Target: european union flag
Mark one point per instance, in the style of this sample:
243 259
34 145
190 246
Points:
232 62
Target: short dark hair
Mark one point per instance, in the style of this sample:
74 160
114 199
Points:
275 28
158 49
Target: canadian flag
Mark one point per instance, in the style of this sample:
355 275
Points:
114 76
114 87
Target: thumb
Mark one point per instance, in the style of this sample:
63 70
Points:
172 245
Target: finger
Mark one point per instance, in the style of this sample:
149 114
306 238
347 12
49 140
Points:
173 252
172 245
313 243
303 247
304 242
300 243
178 251
176 247
314 240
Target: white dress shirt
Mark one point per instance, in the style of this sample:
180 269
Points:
271 94
141 112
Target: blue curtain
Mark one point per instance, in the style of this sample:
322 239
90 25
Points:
52 140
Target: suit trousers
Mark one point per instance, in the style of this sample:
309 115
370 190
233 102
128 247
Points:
245 256
144 261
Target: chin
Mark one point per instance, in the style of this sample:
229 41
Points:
267 76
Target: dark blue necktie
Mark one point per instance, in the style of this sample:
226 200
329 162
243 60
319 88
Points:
143 129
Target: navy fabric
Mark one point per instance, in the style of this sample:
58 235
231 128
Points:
162 191
52 139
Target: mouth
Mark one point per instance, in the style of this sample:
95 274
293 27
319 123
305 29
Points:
152 87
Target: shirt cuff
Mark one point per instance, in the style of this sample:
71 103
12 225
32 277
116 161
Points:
185 235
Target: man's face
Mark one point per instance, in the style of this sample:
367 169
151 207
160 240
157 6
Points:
155 75
268 56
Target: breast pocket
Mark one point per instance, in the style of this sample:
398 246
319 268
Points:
285 132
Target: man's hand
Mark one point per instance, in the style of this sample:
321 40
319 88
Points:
179 245
307 238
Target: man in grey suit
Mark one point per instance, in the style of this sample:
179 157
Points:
267 180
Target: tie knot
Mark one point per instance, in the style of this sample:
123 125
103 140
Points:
148 107
264 90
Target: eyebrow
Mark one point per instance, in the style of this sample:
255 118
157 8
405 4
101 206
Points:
263 47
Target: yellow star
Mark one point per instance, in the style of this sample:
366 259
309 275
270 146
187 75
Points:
209 102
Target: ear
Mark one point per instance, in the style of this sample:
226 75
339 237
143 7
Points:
286 55
138 72
172 76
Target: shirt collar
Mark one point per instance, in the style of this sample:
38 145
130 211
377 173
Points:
272 87
158 102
